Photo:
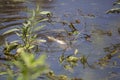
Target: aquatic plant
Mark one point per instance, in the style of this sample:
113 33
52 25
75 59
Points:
20 53
51 75
27 35
115 9
112 52
72 60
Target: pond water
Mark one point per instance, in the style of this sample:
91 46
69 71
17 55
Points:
98 31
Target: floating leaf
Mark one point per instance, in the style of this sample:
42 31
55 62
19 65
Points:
117 2
76 51
72 59
75 32
114 10
68 67
61 58
83 60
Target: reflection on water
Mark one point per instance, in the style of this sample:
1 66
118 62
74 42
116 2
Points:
98 38
11 13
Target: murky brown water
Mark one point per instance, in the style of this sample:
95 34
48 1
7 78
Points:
98 31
